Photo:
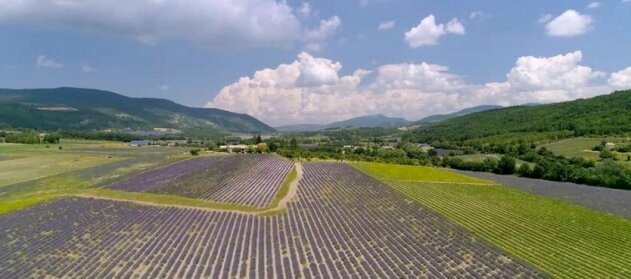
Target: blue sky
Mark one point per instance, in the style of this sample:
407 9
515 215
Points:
338 63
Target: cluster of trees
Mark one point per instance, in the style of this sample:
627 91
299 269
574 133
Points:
505 165
30 137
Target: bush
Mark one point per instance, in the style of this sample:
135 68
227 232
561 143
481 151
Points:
606 154
195 152
524 170
506 165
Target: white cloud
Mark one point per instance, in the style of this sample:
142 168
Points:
479 15
386 25
569 24
213 23
545 79
594 5
316 38
164 87
44 62
427 32
625 1
305 10
87 68
544 18
621 79
311 89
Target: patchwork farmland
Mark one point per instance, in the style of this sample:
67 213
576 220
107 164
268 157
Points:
261 216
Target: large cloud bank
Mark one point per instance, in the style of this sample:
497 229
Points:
212 23
311 89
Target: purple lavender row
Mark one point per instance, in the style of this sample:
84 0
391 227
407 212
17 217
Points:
152 179
343 225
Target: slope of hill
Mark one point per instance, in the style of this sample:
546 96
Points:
602 115
300 128
90 109
370 121
441 117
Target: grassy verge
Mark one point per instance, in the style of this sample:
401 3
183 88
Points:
172 200
41 191
404 172
561 239
161 199
284 188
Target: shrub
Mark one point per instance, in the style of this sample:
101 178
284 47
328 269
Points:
195 152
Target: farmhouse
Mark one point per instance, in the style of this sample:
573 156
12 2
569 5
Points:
235 148
138 143
610 145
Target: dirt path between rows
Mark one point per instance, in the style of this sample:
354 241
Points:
291 194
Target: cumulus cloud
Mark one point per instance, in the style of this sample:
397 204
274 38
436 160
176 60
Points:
213 23
305 10
44 62
386 25
87 68
479 15
316 38
594 5
569 24
621 79
312 90
427 32
545 79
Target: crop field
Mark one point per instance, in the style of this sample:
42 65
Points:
562 239
342 224
34 173
251 180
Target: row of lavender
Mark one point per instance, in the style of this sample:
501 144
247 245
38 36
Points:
245 179
343 225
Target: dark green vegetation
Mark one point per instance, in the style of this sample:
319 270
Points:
89 109
561 239
441 117
602 115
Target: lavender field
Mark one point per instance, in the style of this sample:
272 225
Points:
251 180
342 224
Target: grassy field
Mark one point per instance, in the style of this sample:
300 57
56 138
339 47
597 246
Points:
561 239
582 147
32 173
393 171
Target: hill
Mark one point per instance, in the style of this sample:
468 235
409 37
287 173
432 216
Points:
602 115
90 109
366 121
441 117
370 121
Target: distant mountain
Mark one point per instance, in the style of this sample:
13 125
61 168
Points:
441 117
370 121
602 115
366 121
90 109
300 128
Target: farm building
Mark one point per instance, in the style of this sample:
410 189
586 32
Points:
138 143
610 145
235 147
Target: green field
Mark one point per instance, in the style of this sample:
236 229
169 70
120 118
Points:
33 173
582 147
392 171
561 239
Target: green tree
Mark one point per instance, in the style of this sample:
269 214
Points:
506 165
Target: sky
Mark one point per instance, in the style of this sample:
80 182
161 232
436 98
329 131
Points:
306 62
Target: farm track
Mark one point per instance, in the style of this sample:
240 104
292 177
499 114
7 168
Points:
341 224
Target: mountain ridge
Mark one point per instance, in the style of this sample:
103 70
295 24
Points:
70 108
